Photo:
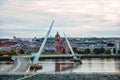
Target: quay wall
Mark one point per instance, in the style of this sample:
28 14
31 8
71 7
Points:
8 58
5 58
63 76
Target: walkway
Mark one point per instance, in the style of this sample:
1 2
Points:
21 65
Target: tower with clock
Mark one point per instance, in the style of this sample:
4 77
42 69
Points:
57 43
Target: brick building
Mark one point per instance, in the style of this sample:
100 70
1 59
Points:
5 46
60 45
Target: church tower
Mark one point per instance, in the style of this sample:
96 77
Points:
57 43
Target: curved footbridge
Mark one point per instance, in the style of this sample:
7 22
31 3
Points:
22 64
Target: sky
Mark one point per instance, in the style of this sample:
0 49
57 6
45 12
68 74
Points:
77 18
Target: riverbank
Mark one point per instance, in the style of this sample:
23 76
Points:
61 76
8 58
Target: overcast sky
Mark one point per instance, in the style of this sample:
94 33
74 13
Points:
77 18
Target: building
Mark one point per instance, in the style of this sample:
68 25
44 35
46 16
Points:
6 46
61 45
57 43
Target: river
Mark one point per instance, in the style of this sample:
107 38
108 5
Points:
101 65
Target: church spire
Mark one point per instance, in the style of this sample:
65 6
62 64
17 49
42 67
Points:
57 34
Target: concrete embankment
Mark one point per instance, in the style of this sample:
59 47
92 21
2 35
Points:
5 58
62 76
8 58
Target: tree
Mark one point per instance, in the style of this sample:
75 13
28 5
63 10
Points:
107 51
101 50
96 51
0 53
119 51
114 50
80 52
22 51
75 50
13 52
86 50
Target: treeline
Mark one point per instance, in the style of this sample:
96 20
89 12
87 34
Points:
95 51
85 51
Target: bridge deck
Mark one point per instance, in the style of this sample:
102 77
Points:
67 56
22 65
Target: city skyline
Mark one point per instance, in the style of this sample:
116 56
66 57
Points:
79 18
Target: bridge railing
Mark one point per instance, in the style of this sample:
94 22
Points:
9 69
16 62
26 66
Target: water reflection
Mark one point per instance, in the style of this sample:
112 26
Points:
5 67
97 65
88 65
117 65
55 65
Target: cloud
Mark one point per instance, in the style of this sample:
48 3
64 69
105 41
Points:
22 33
83 16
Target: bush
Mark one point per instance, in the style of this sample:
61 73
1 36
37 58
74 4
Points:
28 52
81 52
107 51
49 52
119 51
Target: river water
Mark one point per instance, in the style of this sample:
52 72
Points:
101 65
88 65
